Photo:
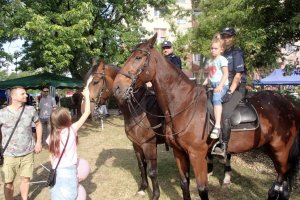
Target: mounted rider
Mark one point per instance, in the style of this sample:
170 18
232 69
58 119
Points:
237 85
167 50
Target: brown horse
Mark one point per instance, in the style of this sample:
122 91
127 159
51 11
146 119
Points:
137 123
184 105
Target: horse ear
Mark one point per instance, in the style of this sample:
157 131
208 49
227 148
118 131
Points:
102 61
94 61
152 40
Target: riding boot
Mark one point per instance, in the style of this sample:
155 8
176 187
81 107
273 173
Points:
226 131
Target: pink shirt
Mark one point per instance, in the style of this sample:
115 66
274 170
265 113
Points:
69 157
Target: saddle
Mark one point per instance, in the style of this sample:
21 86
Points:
244 117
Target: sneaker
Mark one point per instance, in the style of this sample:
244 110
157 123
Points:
215 133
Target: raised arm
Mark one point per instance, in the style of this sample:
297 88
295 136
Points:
87 107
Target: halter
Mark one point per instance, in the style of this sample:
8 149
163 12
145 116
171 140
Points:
104 88
133 77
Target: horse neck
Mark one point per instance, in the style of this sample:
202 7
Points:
172 87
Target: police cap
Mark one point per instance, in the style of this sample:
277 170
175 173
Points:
228 31
166 44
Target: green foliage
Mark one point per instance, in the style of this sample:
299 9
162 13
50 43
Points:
263 27
66 102
5 76
64 36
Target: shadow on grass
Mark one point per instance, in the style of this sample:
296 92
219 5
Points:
245 185
39 174
122 160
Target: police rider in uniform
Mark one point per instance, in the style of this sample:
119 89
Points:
168 52
237 83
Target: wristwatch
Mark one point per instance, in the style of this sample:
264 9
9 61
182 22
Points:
229 91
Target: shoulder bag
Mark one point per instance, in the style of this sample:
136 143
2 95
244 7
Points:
52 173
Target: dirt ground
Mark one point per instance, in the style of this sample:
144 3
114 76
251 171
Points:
114 172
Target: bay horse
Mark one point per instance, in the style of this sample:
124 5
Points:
139 126
184 106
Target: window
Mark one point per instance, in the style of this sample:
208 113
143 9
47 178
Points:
181 21
161 32
158 11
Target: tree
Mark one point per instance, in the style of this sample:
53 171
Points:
263 27
64 36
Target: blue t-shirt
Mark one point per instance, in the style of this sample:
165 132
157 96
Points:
214 67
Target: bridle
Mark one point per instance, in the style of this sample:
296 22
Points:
134 77
102 77
130 90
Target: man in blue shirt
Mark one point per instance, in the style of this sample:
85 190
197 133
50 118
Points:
167 50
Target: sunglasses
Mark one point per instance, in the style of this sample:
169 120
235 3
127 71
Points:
45 90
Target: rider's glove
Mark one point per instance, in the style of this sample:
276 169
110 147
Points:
227 96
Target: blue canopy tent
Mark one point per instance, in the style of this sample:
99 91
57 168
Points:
277 77
2 94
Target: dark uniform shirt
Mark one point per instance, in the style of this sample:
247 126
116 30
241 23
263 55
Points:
175 60
235 57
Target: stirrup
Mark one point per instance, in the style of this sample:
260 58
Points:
220 151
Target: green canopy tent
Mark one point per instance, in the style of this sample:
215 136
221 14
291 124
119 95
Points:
41 80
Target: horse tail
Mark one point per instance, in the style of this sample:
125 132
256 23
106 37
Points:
293 162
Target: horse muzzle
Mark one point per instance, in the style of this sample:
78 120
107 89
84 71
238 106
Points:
121 94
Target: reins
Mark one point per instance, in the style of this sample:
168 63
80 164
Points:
129 94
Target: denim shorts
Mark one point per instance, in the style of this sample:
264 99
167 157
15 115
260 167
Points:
66 186
217 97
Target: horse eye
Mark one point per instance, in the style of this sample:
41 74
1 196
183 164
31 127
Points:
138 58
95 82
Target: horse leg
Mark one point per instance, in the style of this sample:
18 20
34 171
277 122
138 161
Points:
183 166
143 170
150 151
210 164
279 189
199 164
227 171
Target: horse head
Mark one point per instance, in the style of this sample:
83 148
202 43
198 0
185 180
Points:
137 70
102 83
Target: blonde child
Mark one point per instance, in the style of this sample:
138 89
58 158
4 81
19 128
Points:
61 129
217 67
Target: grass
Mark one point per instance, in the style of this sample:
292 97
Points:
115 176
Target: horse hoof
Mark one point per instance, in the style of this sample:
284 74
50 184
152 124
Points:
226 184
140 194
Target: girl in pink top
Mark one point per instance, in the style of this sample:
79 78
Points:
61 125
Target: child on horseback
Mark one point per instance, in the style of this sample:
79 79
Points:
62 142
217 67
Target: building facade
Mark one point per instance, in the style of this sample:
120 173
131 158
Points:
167 28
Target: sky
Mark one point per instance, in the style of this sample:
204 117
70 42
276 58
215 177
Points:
11 47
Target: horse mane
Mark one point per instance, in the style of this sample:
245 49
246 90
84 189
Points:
94 68
136 47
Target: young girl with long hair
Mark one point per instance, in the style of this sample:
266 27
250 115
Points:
64 135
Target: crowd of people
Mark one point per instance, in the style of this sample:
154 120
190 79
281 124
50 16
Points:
56 132
19 143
